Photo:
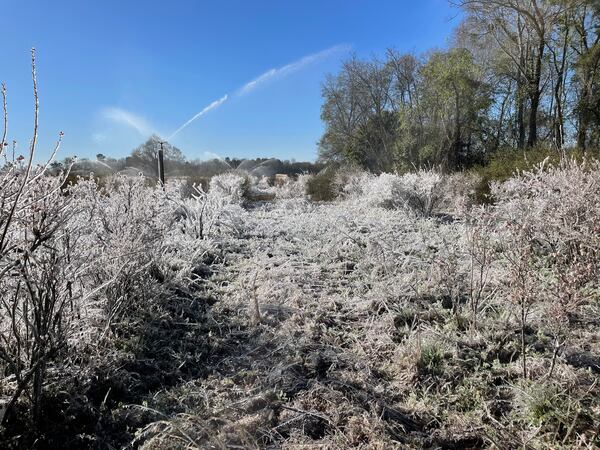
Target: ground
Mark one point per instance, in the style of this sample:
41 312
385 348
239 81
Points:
330 331
328 325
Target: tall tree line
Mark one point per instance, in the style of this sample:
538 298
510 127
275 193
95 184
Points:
517 74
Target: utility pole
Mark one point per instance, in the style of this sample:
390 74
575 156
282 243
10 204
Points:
161 165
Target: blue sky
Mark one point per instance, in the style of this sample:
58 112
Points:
111 72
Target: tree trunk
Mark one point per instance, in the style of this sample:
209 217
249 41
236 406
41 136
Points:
38 381
559 119
532 136
583 114
534 95
520 119
501 121
559 137
581 131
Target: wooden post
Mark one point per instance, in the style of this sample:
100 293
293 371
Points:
161 165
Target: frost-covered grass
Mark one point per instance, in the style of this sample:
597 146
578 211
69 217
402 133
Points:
357 324
398 316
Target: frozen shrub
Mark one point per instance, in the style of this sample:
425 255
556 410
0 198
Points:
459 191
293 188
230 187
42 266
480 241
350 181
321 187
380 190
260 189
124 232
420 192
364 187
354 187
263 184
205 216
551 244
188 187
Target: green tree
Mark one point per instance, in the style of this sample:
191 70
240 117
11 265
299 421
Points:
453 103
372 145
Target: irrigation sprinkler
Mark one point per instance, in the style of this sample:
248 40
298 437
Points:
161 164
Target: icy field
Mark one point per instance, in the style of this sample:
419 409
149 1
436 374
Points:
354 325
401 315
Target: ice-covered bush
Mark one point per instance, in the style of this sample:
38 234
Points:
321 187
551 242
364 187
230 187
42 265
380 190
459 192
206 215
350 181
263 184
125 222
292 188
419 192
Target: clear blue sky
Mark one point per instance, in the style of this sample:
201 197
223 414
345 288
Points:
110 72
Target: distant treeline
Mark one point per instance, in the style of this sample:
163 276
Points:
143 160
518 74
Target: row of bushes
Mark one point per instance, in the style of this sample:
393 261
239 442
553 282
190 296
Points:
477 182
419 191
507 163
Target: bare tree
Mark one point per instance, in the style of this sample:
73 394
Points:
522 30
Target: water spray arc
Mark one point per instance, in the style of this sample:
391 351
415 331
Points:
161 154
245 89
213 105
